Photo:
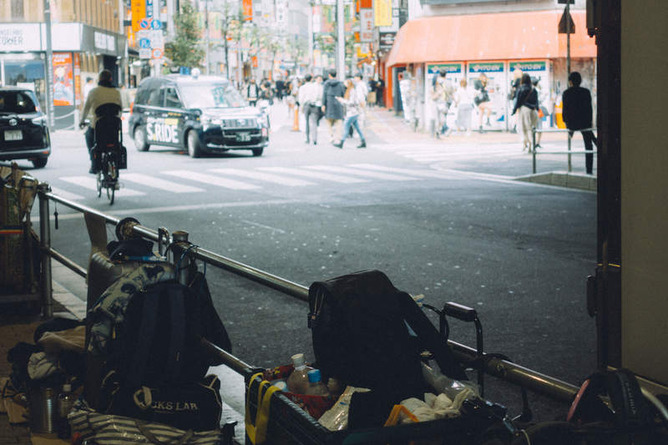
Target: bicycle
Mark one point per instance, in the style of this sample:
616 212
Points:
109 154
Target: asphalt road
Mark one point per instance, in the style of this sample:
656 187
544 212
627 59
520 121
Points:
440 218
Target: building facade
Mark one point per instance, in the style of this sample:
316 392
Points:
86 37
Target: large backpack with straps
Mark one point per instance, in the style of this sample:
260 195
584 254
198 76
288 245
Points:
369 334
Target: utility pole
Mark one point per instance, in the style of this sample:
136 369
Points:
49 65
568 38
206 35
340 41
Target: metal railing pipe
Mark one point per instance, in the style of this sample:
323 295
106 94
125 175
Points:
45 248
519 375
62 259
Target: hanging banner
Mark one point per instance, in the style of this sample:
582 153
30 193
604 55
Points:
366 25
248 10
382 10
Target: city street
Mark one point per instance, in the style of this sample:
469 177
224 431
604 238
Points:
440 218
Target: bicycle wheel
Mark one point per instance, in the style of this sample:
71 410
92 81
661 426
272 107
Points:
100 178
112 178
111 192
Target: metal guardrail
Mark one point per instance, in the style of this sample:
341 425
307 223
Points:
503 369
568 152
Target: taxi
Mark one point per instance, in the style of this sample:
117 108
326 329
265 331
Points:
203 114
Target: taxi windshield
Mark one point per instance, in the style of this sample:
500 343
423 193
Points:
211 96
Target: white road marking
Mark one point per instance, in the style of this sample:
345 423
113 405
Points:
212 180
351 171
316 175
90 183
404 171
162 184
268 177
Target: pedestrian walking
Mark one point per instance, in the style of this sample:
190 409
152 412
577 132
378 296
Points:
252 92
332 108
353 104
442 95
310 101
527 104
464 103
482 101
577 115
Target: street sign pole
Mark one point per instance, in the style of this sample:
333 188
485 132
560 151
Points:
568 39
341 41
49 65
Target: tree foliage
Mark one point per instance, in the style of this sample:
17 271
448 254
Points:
184 49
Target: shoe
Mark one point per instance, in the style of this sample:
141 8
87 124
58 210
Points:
307 141
362 145
315 142
537 146
338 144
480 130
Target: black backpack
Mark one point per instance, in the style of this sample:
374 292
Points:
159 341
360 327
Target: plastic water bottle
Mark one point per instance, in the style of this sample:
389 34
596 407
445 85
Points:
315 386
298 379
64 405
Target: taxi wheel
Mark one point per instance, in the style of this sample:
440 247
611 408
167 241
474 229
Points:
139 137
39 162
194 147
258 151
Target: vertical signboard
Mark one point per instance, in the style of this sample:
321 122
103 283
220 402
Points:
382 10
63 80
138 8
366 28
248 10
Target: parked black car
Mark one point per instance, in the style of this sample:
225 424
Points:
203 114
24 131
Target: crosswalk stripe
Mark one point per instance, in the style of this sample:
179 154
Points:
65 194
159 183
352 171
316 175
404 171
212 180
90 183
262 176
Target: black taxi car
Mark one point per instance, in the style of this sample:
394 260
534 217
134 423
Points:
203 114
24 132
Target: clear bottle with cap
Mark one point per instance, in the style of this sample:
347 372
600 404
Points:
64 405
298 379
316 387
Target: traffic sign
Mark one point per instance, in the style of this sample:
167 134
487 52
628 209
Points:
156 24
144 53
156 53
144 43
145 23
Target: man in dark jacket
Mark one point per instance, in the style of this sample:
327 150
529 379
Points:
332 108
577 115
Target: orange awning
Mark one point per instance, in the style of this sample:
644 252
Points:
500 36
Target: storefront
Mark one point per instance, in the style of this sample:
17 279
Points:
79 51
496 45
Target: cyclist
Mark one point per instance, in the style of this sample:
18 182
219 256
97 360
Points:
104 93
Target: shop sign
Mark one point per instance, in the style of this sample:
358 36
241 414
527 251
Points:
525 66
382 12
450 68
366 28
104 41
138 9
492 67
19 37
386 39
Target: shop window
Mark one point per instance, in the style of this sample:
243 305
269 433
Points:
17 9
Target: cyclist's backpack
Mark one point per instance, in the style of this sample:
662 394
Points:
109 134
360 327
